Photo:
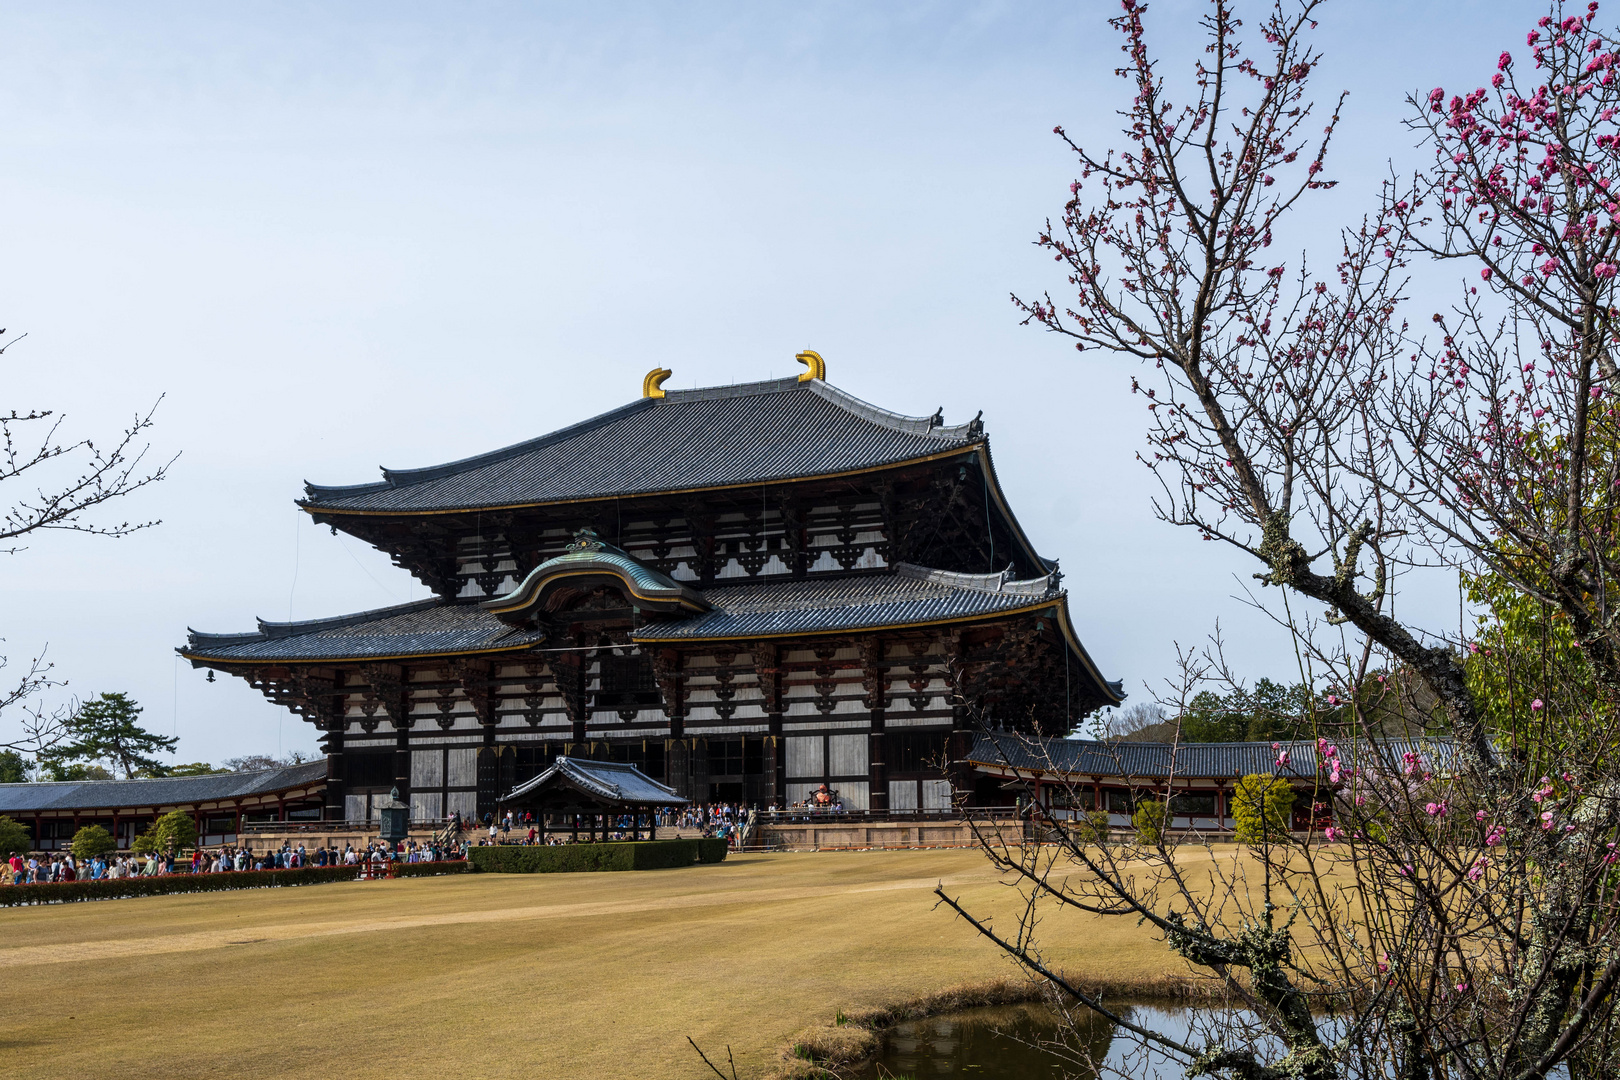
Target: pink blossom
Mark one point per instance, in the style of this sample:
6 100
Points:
1486 273
1605 270
1535 706
1479 815
1332 834
1546 819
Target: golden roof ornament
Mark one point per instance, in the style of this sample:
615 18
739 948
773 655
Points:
653 385
817 367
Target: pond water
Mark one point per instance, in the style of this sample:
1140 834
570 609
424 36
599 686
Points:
1015 1041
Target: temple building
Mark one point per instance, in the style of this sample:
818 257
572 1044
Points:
745 591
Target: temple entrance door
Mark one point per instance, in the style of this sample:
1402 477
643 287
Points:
488 780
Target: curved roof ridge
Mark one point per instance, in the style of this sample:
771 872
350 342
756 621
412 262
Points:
1001 582
333 622
914 425
393 478
588 553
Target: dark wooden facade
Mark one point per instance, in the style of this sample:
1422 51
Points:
781 586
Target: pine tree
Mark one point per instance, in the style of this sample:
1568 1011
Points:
106 729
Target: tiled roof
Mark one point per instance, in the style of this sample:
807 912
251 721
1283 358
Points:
424 628
689 439
912 594
907 596
1159 761
610 781
162 791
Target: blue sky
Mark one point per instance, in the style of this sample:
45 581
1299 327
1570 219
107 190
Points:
344 236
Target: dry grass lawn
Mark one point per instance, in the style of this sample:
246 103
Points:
594 976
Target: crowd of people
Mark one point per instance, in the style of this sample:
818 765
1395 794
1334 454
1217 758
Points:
719 819
49 869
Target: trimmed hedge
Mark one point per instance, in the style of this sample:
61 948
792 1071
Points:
586 858
69 892
431 869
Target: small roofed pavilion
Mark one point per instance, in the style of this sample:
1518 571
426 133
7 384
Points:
582 795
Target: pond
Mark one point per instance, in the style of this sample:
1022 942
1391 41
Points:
1015 1041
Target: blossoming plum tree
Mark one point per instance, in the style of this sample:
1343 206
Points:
1459 913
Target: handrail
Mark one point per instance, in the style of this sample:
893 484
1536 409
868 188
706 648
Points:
749 822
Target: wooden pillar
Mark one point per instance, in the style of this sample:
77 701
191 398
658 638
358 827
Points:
335 806
667 664
402 762
569 672
875 682
768 666
574 832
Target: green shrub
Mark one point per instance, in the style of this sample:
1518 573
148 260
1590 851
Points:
14 838
712 850
585 858
1092 827
431 869
174 832
1149 821
1263 806
92 840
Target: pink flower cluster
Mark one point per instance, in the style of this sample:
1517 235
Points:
1328 759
